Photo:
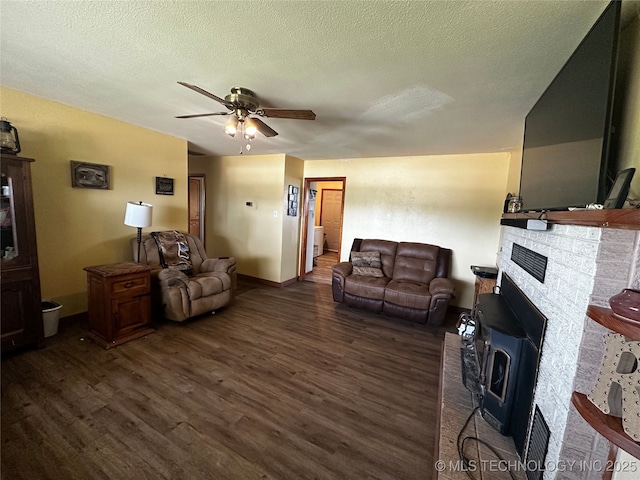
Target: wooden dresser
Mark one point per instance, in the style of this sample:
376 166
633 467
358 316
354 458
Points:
119 302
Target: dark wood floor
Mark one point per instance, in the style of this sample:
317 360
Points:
284 384
321 272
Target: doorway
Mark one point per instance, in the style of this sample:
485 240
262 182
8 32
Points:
196 206
322 215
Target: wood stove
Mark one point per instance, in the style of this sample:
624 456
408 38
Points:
508 341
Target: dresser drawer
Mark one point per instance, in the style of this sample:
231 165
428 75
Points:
131 285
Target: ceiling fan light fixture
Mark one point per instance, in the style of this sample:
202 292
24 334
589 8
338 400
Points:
241 103
232 126
250 128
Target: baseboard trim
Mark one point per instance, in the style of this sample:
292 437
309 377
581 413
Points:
82 317
262 281
291 281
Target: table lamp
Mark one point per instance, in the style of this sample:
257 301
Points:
138 215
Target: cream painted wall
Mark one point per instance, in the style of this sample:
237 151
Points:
80 227
251 234
293 174
265 246
454 201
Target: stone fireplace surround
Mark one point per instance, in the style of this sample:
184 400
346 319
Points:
586 265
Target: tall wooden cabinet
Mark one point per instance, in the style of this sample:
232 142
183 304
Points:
21 309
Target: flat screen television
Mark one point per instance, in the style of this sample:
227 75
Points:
567 144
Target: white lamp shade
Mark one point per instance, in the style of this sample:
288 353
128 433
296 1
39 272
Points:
138 214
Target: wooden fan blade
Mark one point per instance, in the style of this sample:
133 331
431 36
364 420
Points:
285 113
263 128
202 115
195 88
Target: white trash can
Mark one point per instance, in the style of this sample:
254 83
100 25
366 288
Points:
50 317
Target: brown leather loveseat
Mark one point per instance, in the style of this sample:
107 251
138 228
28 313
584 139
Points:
400 279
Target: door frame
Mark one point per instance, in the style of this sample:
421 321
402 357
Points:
305 218
202 193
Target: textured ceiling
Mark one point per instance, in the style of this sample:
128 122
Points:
385 78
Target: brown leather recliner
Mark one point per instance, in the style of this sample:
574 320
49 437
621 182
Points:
181 293
412 284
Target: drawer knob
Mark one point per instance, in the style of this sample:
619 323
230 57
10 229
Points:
129 285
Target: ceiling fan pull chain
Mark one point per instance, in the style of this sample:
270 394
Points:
241 136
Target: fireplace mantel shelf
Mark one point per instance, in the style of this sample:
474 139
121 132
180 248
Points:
623 218
608 426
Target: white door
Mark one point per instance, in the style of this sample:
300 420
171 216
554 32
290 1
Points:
331 218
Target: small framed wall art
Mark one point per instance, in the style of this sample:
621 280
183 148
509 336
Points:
164 186
89 175
292 201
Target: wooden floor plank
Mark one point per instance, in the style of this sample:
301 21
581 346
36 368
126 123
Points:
282 384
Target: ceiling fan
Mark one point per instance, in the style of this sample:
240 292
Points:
244 107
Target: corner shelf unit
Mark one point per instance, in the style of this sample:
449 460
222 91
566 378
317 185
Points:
606 317
608 426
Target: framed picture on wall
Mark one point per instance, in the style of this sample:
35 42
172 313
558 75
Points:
164 186
89 175
292 201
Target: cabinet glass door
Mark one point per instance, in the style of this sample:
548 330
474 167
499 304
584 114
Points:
13 223
7 222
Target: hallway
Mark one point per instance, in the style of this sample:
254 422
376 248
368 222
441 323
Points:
322 272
